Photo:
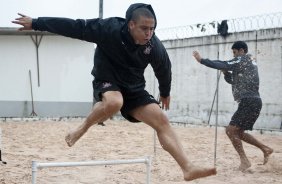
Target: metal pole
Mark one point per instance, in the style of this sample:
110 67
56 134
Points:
37 43
100 8
34 169
146 161
32 103
148 164
155 149
155 133
90 163
216 119
214 96
216 90
0 143
37 59
154 89
3 162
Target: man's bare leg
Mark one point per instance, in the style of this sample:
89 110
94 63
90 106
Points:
233 133
248 138
111 103
152 115
101 123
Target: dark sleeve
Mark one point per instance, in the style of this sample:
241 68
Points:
221 65
162 68
88 30
228 77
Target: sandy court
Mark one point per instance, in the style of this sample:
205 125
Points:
43 141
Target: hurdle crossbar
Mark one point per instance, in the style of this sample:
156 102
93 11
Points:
147 161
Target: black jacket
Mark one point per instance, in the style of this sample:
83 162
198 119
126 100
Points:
117 58
243 77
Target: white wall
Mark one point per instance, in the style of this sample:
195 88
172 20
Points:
64 68
64 76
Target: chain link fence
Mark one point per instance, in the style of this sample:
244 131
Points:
222 27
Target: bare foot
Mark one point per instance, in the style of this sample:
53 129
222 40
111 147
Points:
244 165
267 152
197 172
72 137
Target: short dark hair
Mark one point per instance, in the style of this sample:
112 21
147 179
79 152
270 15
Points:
240 45
145 12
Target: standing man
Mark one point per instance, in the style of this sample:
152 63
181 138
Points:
125 47
242 73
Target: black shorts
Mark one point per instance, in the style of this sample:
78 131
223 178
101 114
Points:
131 100
247 113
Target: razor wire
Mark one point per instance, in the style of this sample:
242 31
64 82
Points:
265 21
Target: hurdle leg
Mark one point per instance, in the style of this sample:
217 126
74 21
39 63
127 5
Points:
3 162
34 170
148 166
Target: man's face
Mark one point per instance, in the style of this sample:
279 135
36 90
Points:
237 52
141 30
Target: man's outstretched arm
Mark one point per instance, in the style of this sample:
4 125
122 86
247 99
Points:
88 30
216 64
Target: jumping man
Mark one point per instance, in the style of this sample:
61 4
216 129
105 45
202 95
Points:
125 47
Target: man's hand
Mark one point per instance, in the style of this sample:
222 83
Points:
165 102
25 21
197 56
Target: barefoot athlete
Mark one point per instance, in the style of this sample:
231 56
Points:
242 73
125 47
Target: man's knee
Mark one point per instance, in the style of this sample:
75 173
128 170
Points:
112 101
113 105
161 122
232 130
229 130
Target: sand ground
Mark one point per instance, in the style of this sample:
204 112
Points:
43 141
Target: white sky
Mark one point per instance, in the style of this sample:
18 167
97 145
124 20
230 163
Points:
169 13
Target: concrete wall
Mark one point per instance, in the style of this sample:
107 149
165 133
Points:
65 80
64 76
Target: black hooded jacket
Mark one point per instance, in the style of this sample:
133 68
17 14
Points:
241 72
117 58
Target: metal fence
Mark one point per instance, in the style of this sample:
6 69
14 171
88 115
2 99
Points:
222 27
